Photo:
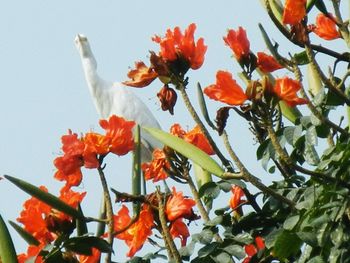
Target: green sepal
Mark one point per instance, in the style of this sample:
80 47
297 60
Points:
188 150
7 249
28 237
45 197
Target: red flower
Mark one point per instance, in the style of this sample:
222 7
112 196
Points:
156 168
197 138
326 27
33 218
236 197
71 198
286 89
238 42
177 130
119 132
141 76
178 206
179 229
267 63
176 45
136 235
93 258
32 253
294 11
226 90
251 249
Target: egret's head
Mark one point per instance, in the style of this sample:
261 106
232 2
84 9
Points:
83 46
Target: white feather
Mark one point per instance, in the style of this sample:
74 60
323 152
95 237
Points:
112 98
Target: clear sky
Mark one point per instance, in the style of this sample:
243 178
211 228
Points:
43 90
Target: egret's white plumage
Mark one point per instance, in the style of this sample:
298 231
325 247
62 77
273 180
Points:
113 98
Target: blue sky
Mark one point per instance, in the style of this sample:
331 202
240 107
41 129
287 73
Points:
44 91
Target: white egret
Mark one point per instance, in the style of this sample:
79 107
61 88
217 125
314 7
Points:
114 98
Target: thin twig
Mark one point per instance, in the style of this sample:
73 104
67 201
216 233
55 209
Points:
109 212
247 176
170 245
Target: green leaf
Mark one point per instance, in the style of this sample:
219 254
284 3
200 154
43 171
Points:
45 197
188 150
207 250
271 238
210 190
291 113
311 136
308 237
84 244
223 258
301 58
203 106
244 238
136 175
7 249
236 251
317 259
287 244
315 85
291 222
29 238
81 224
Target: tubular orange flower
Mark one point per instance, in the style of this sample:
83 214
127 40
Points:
238 42
32 253
236 197
294 11
251 249
286 89
71 198
121 220
326 27
72 179
226 90
136 235
178 206
177 130
176 45
267 63
155 169
33 218
197 138
141 76
119 132
179 229
93 258
71 145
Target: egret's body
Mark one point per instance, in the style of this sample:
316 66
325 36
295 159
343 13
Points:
112 98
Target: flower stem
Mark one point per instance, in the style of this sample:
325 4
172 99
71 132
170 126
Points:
170 245
109 212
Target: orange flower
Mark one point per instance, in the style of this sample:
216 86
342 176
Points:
251 249
72 179
286 89
226 90
238 42
119 132
136 235
33 218
93 258
197 138
71 145
71 198
176 45
326 27
32 253
294 11
156 168
178 206
141 76
121 220
179 229
236 197
95 144
267 63
177 130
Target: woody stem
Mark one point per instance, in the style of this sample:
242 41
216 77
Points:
170 245
109 212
